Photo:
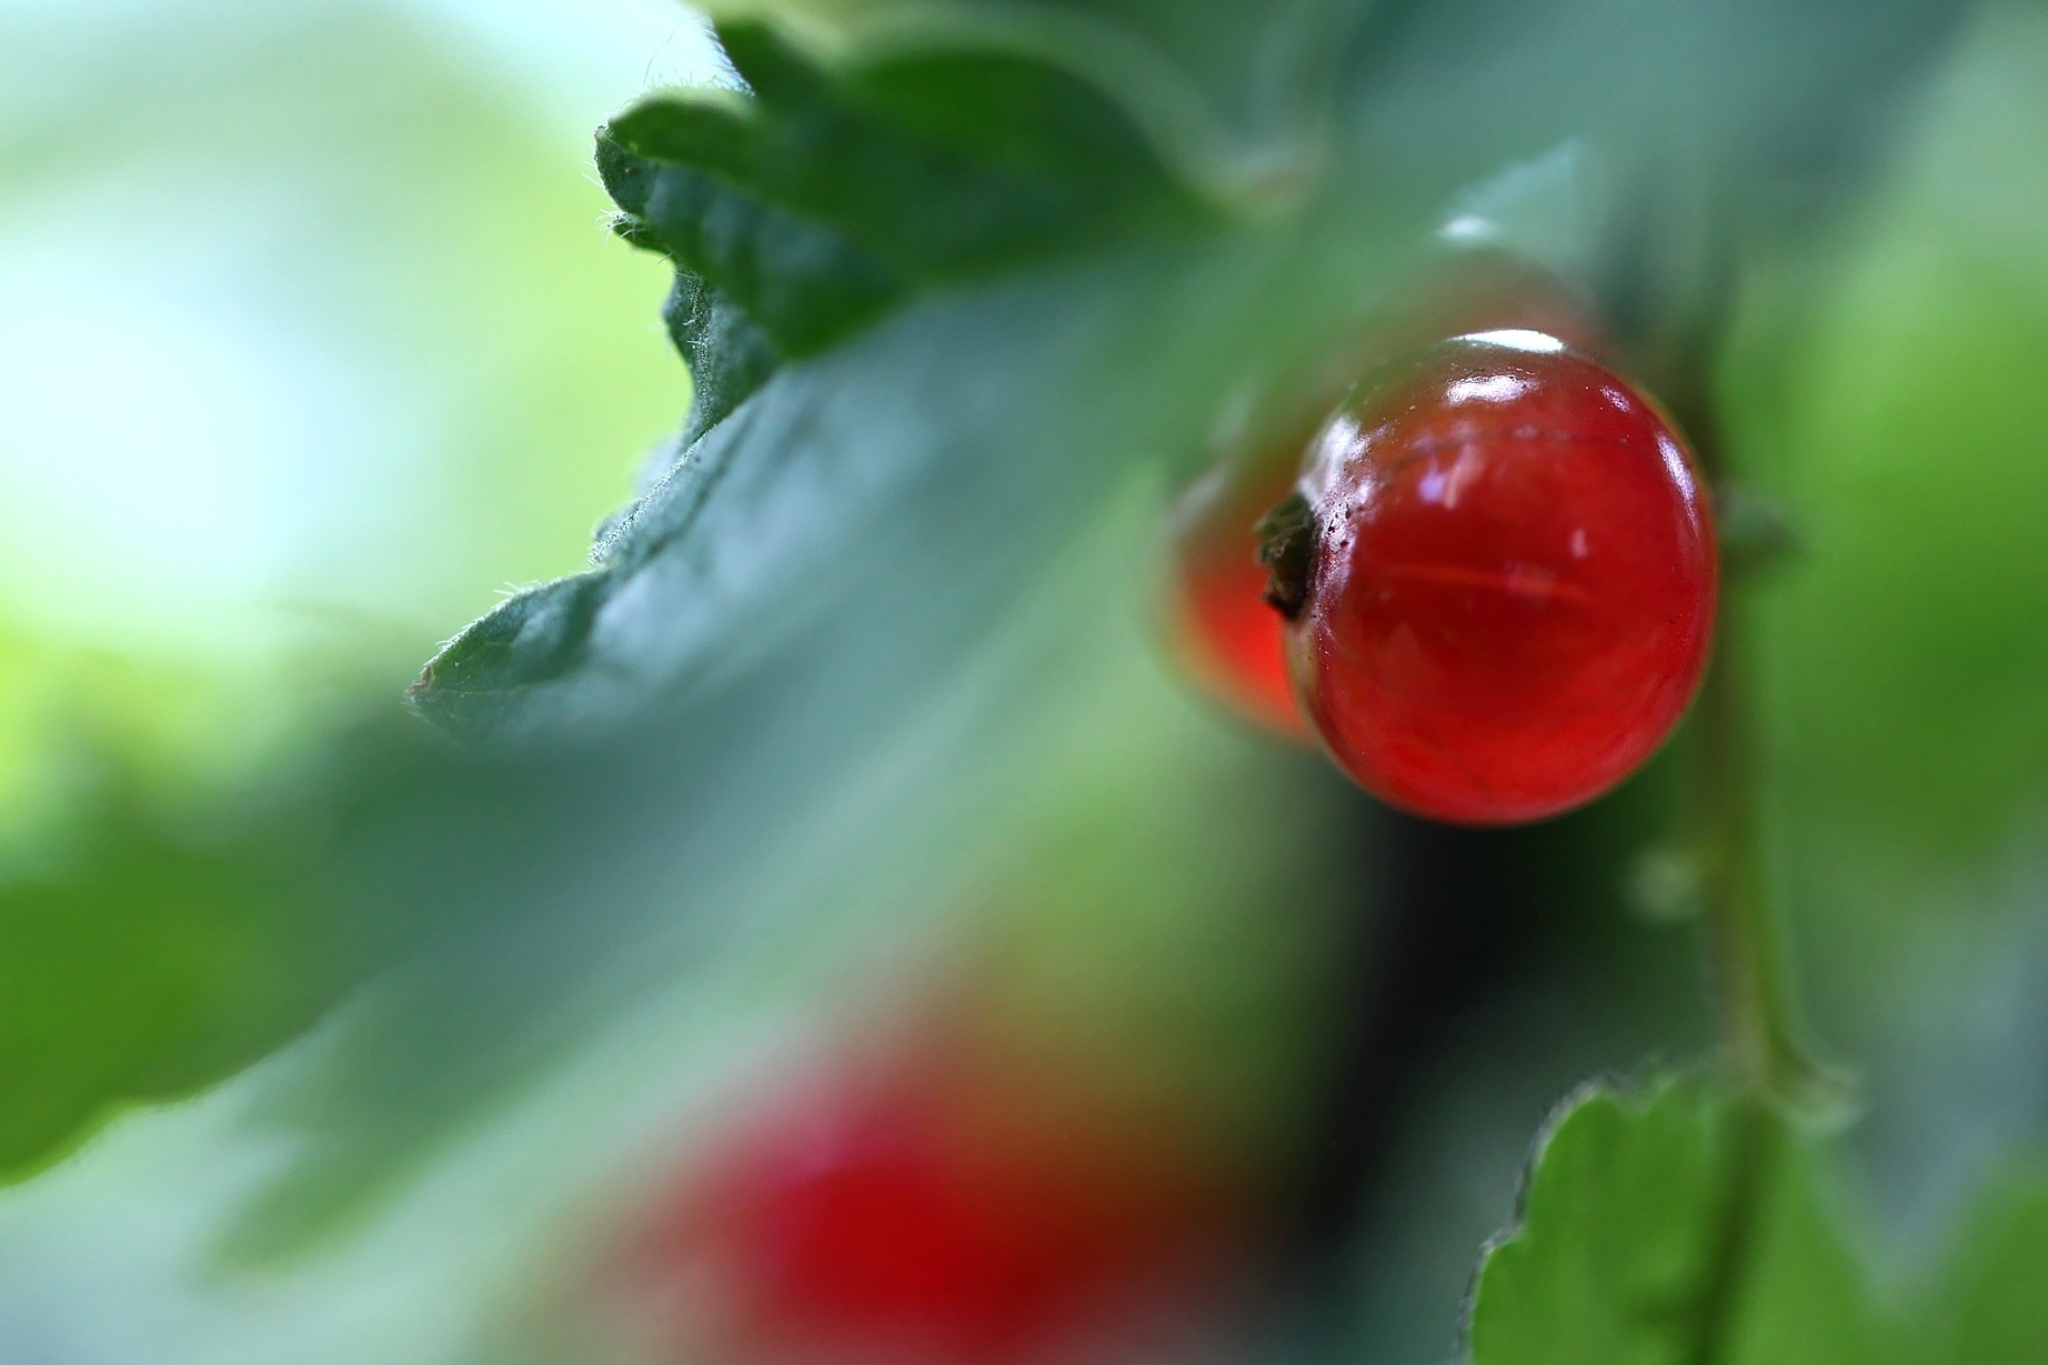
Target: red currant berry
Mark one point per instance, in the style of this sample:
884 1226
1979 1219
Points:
1500 576
1221 629
919 1221
1225 635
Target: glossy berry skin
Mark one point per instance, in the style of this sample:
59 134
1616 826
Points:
1507 587
912 1220
1222 632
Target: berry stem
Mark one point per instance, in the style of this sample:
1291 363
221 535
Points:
1752 986
1287 547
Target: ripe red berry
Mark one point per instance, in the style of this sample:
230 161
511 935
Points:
1222 630
917 1219
1500 576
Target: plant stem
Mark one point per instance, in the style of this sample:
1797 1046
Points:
1745 956
1744 952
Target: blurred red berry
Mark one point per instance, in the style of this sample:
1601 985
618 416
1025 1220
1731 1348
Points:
1501 579
1224 634
920 1220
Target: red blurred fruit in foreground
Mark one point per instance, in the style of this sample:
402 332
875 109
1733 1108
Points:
916 1222
1223 632
1502 582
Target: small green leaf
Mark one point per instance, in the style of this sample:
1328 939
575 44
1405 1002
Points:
1671 1227
528 640
1247 87
803 284
823 196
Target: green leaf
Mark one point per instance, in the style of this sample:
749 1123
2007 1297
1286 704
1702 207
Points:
728 353
146 963
821 197
1677 1225
530 640
1669 1227
1243 89
646 862
802 284
921 458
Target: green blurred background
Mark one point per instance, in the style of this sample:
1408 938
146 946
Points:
313 343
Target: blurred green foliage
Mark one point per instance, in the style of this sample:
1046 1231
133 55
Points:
1885 397
1989 1307
147 967
1910 440
170 908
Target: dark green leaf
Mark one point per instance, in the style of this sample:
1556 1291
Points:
818 199
728 353
803 284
